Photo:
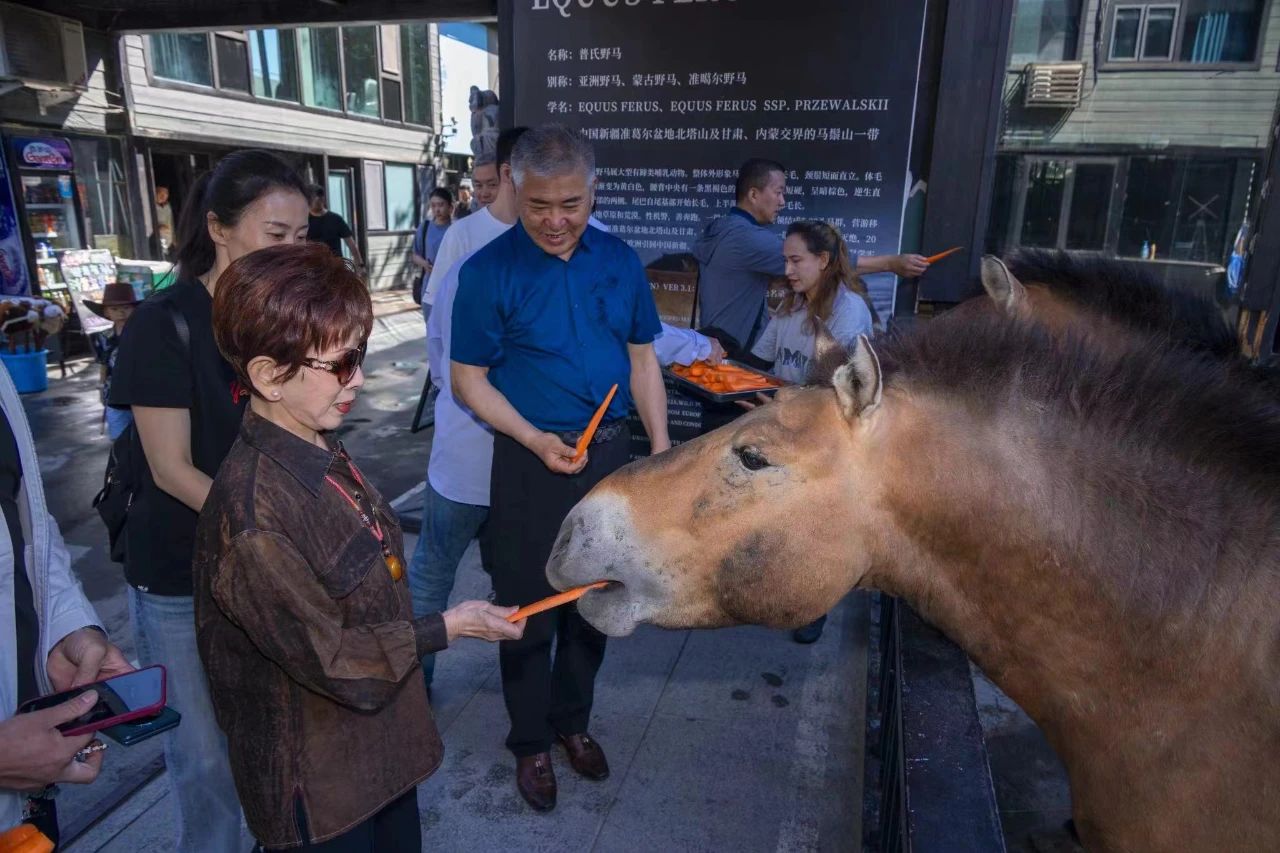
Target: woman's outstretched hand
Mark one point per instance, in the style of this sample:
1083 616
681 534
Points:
482 620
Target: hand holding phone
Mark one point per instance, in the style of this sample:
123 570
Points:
122 698
35 753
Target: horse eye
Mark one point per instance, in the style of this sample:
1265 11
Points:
752 459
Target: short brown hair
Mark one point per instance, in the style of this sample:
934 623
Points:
286 302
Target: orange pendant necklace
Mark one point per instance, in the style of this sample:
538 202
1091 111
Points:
394 564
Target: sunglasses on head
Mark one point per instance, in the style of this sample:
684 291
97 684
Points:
343 368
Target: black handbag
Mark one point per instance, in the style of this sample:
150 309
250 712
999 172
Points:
113 502
120 483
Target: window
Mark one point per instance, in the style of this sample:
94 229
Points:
1044 31
1090 204
375 199
1143 33
1046 186
273 56
399 196
233 63
415 67
183 57
1188 208
1220 30
321 68
360 51
1192 31
1052 203
391 99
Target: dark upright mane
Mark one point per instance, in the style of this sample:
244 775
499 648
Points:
1129 295
1152 396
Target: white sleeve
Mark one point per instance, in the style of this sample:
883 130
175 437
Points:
68 609
449 254
680 346
435 347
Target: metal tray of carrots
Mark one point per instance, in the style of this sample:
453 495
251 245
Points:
722 383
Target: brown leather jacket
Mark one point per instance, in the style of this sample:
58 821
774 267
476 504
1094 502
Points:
310 647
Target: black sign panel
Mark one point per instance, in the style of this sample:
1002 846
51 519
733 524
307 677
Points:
675 94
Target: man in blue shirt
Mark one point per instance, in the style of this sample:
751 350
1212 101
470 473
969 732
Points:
546 318
738 256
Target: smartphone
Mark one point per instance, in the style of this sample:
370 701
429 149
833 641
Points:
127 734
140 693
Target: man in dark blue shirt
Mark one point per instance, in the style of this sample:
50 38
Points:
547 318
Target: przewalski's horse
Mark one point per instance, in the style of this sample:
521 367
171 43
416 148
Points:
1099 530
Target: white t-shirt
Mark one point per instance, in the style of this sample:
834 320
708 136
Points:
789 344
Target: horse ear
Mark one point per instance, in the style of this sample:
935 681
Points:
1001 285
859 383
828 354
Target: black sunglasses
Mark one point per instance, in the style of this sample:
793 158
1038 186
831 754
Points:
345 367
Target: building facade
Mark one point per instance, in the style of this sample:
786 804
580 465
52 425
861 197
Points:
356 108
1137 129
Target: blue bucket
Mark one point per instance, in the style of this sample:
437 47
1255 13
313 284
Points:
28 370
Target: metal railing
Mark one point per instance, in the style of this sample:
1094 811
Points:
928 783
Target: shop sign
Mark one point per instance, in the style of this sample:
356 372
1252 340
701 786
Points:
45 153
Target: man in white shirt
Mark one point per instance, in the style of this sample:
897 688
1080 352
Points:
456 502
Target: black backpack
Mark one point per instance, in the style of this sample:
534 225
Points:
121 480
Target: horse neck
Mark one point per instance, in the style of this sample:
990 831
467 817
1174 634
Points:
999 542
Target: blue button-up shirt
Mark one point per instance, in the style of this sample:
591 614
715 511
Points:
554 333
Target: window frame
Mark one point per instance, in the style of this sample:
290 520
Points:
1106 63
413 213
1119 165
216 89
1082 7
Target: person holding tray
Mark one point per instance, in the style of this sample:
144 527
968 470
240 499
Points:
826 297
303 614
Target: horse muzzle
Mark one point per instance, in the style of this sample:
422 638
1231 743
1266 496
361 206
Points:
598 542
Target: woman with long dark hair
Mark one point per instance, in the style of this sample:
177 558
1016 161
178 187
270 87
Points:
826 297
187 408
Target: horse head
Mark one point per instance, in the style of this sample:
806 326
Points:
715 531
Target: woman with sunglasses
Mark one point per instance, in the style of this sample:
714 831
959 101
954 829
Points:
304 618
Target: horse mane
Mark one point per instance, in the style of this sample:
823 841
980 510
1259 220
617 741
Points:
1130 295
1154 395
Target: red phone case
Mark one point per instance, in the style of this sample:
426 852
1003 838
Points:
98 725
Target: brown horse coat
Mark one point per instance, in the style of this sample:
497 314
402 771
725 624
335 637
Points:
1099 527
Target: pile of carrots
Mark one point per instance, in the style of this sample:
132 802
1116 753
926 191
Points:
725 378
25 838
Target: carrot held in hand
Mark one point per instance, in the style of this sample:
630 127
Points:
585 440
933 259
555 600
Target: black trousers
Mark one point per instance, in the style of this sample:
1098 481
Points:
395 829
527 504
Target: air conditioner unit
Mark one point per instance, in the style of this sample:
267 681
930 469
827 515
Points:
41 51
1053 84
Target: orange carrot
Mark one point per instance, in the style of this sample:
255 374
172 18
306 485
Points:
555 600
933 259
590 431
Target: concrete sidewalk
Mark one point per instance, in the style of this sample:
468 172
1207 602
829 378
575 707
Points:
736 739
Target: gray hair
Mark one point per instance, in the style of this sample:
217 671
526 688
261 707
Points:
550 151
485 159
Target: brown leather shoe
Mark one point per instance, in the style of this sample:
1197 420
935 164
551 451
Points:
585 756
537 781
